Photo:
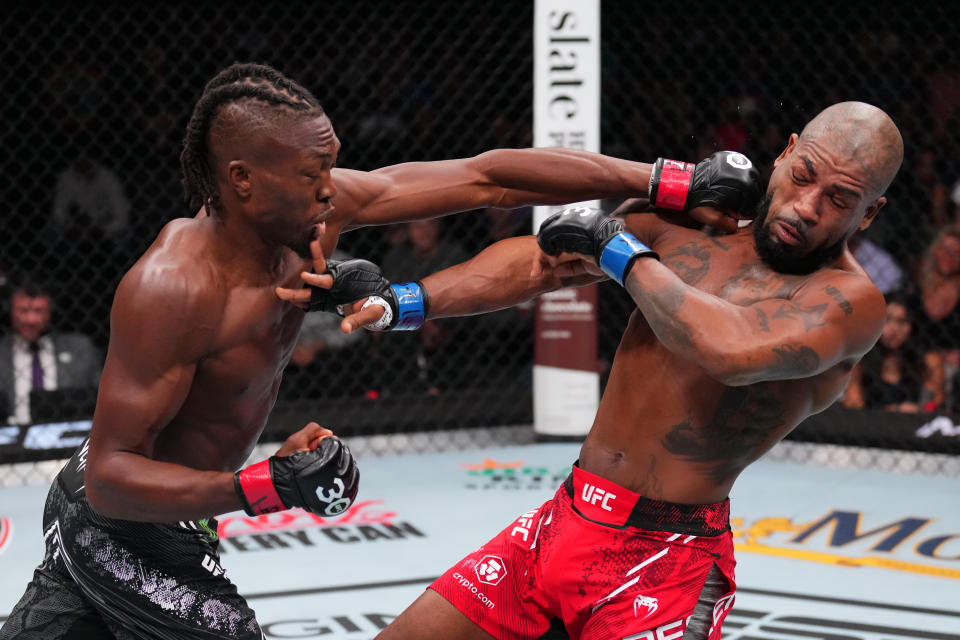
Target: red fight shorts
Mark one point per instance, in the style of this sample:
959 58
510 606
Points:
605 562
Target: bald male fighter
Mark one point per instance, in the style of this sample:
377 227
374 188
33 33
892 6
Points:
735 340
198 344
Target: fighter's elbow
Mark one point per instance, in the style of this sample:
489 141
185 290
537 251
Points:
729 368
98 496
100 492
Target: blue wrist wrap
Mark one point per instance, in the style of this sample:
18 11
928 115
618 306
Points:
411 307
618 252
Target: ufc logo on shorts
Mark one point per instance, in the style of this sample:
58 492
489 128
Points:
524 524
593 495
211 565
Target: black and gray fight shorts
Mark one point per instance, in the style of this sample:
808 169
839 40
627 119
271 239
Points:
105 578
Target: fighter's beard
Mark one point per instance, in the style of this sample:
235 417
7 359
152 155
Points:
783 258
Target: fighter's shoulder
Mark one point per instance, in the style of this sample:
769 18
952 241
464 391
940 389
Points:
851 292
648 227
172 276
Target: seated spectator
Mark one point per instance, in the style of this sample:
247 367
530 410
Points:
89 200
425 252
939 323
897 374
433 362
39 359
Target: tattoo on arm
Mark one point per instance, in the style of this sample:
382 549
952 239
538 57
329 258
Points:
663 319
795 359
763 320
835 293
810 316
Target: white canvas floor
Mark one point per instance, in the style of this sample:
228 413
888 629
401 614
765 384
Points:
883 564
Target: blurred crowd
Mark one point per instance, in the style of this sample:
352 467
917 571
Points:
93 172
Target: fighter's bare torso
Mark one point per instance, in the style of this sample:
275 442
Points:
246 335
668 430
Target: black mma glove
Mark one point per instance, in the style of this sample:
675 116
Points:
727 180
323 481
593 233
352 280
405 304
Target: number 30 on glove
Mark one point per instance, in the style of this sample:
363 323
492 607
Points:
323 481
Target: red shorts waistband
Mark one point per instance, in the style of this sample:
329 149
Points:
602 501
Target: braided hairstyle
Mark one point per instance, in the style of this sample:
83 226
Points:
237 83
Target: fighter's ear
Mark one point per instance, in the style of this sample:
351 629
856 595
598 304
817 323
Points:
238 176
791 144
872 209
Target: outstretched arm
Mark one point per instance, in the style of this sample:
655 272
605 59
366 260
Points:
504 178
504 274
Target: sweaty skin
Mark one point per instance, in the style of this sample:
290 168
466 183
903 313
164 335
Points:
724 355
199 338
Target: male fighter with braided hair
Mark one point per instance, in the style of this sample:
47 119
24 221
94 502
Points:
198 344
735 340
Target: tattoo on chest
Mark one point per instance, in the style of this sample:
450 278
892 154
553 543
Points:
754 282
811 317
763 320
690 261
718 243
730 440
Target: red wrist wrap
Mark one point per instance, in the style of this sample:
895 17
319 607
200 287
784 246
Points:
259 490
675 177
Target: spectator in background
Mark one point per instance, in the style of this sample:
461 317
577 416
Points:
89 200
38 359
897 374
424 252
308 375
939 323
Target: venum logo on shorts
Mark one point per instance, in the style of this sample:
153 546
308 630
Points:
490 570
646 605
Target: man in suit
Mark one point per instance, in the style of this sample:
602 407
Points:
37 359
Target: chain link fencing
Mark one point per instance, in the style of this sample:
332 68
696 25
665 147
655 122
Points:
98 97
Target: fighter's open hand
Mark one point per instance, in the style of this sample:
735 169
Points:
317 279
340 283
